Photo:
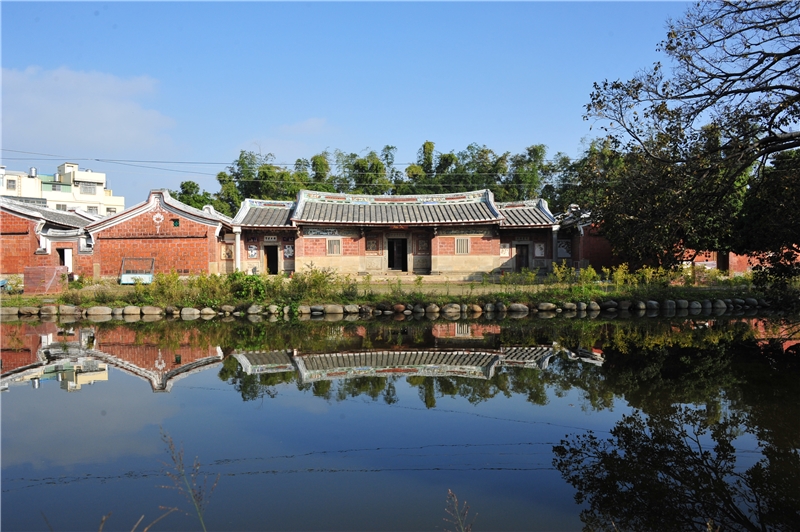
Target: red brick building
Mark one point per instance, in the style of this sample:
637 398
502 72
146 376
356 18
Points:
463 235
180 238
34 235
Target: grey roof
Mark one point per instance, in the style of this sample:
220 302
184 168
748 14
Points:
441 209
531 213
264 213
394 359
63 218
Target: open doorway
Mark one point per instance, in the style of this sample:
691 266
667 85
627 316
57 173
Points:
271 257
522 257
398 254
65 258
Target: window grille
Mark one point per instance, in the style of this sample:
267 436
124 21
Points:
462 246
92 210
335 246
89 188
11 184
111 210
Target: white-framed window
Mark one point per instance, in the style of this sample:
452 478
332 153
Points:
462 246
89 189
11 184
111 210
92 210
61 206
335 246
56 187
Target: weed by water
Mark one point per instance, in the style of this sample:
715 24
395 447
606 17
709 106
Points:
189 481
458 516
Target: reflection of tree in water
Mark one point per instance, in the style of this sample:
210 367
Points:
677 471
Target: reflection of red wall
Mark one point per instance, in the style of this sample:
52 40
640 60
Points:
477 330
765 330
143 350
20 341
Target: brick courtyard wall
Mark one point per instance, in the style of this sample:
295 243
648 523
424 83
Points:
189 248
44 279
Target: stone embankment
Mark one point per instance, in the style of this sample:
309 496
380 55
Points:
331 312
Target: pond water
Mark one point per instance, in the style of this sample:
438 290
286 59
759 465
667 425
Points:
537 424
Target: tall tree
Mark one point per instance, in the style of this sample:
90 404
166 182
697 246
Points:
736 72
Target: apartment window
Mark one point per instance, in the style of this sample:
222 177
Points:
335 246
11 184
56 187
61 206
111 210
462 246
92 210
89 188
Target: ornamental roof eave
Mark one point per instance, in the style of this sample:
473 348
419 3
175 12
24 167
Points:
259 214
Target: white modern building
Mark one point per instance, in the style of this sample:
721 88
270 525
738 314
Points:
67 189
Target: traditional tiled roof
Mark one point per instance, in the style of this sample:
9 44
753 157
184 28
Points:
264 213
326 366
265 361
53 216
531 213
441 209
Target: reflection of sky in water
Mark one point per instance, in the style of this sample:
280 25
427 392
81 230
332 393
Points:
292 462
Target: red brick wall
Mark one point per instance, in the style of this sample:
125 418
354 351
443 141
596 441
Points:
311 247
187 248
446 245
18 242
351 246
597 250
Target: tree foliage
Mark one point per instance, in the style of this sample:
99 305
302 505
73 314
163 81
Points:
697 136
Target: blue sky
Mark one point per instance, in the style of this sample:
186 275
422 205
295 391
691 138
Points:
197 82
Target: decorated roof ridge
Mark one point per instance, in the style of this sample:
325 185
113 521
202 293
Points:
473 196
306 200
208 212
67 218
520 203
269 203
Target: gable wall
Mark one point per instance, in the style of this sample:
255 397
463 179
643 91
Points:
190 248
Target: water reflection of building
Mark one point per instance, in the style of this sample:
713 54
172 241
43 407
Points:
423 362
71 374
36 352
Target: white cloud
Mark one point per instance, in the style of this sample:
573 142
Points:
91 114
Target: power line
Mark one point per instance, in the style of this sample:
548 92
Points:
121 161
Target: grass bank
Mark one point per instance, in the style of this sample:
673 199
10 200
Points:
316 286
